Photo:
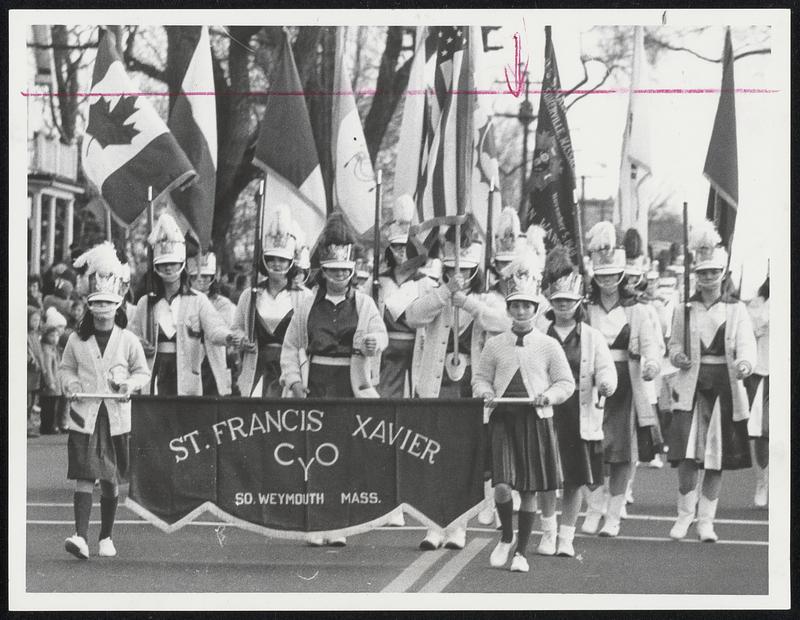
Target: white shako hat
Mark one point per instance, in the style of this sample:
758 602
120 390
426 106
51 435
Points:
560 276
103 273
507 235
337 244
202 264
601 243
471 246
524 275
704 243
403 212
167 241
280 234
636 263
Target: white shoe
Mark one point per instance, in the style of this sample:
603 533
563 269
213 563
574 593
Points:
623 514
597 504
565 537
456 538
686 508
315 541
519 564
706 511
432 541
547 544
656 463
591 523
339 541
761 497
486 516
500 554
106 548
396 519
76 545
611 524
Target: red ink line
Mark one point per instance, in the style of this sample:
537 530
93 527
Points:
256 93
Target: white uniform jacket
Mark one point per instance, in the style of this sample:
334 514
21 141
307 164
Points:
84 369
294 356
740 346
596 367
541 361
242 321
433 312
197 318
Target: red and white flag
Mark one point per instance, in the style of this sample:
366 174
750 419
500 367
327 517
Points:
354 178
127 146
636 165
193 121
286 150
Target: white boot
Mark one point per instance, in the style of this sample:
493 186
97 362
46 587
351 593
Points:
613 515
566 534
686 506
486 516
456 537
706 510
761 498
596 507
547 545
629 488
396 519
432 541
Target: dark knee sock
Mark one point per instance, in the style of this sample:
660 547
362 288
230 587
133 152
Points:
524 530
108 510
505 510
83 507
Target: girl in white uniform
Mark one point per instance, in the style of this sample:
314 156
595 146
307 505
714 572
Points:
757 386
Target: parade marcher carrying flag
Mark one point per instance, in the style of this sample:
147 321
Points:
277 297
101 359
127 147
710 405
183 319
529 369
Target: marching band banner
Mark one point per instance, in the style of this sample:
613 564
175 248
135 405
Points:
291 466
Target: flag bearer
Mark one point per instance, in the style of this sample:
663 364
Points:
216 375
523 363
629 418
182 319
710 406
278 296
101 357
333 333
757 386
436 371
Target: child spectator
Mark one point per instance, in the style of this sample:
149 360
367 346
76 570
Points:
34 364
49 395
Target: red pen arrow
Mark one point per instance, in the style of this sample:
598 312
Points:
519 79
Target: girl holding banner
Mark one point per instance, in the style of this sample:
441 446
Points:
277 298
522 364
629 418
101 358
333 333
182 320
579 420
710 408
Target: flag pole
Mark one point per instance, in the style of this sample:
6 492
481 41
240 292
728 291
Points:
686 262
257 257
376 237
487 259
108 223
150 328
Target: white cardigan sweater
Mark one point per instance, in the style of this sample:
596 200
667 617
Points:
84 369
541 360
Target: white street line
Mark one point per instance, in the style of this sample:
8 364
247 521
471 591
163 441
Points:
450 570
414 571
630 517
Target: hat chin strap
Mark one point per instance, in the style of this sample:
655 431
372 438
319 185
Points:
711 284
610 286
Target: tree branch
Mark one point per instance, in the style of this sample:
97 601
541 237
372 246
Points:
653 40
134 64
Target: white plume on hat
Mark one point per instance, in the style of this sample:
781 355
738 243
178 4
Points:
602 236
103 272
403 212
601 243
279 234
534 238
704 242
53 318
167 241
507 234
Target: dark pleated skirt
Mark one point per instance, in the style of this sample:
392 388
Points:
457 389
581 461
165 375
268 371
396 368
751 384
98 456
329 381
208 379
712 385
524 450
